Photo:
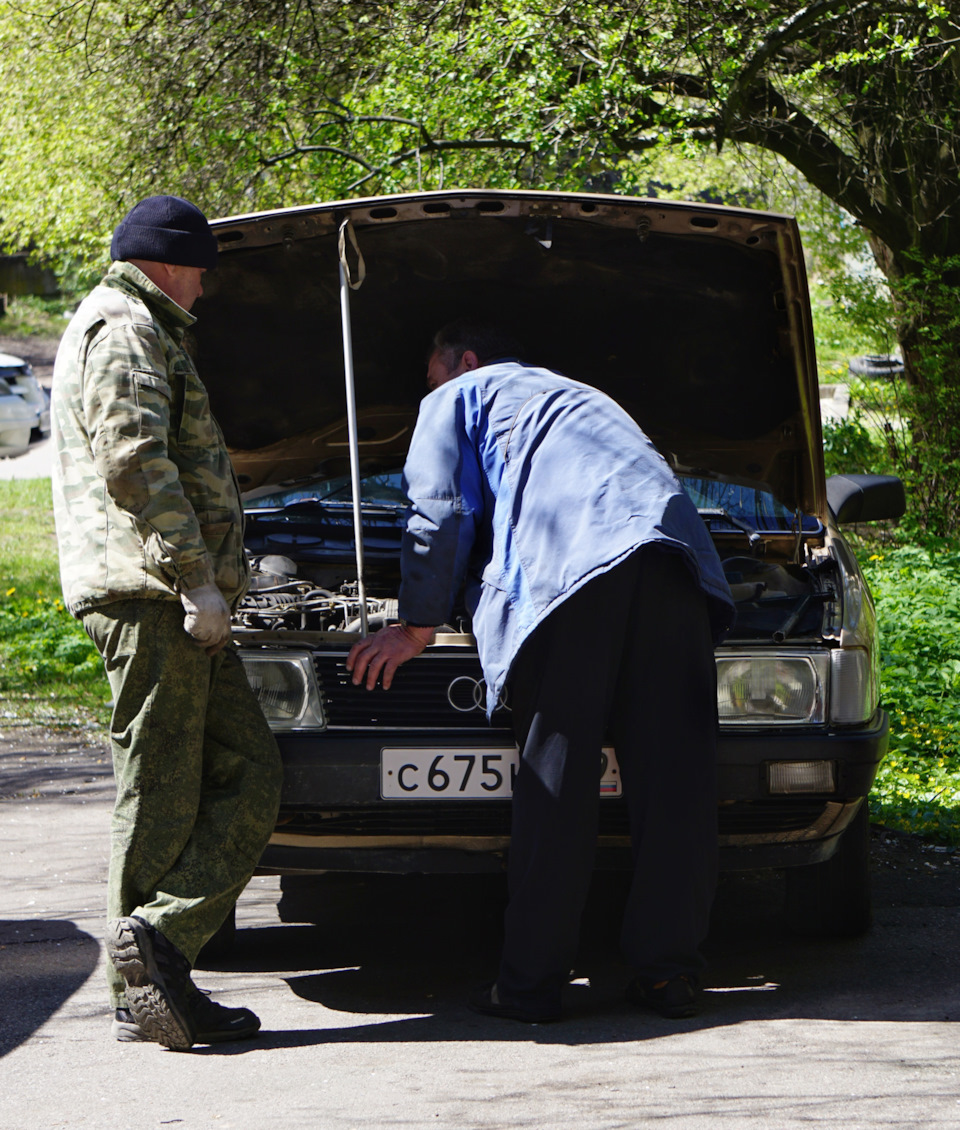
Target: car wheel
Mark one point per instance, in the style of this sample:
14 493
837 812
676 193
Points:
832 899
222 942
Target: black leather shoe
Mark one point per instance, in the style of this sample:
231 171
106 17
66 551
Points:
487 1001
675 998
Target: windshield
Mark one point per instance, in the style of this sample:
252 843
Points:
731 501
384 488
757 508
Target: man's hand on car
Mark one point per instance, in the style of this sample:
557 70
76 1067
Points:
207 617
384 651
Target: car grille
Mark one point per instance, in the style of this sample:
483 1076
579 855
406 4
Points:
445 692
492 818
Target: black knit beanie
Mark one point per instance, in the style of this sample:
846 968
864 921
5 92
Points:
165 229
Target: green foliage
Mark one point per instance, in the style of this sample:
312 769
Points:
49 670
849 447
852 309
918 606
928 449
907 425
31 316
28 542
245 106
41 644
62 128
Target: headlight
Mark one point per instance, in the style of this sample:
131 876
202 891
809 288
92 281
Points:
782 689
286 688
853 686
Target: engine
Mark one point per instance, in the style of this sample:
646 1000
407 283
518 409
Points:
280 600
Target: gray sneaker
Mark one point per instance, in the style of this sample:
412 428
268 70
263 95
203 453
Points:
158 980
125 1029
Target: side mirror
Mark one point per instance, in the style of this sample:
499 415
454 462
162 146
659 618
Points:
865 498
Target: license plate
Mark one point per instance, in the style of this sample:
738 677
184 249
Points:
466 774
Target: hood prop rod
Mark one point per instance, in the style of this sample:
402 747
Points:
346 285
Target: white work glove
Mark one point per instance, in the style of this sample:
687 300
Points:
207 617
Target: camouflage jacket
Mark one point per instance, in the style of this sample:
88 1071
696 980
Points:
145 498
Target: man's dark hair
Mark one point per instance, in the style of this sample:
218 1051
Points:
487 340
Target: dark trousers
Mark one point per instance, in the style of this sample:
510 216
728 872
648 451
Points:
630 657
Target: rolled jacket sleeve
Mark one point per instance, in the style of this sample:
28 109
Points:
130 408
443 480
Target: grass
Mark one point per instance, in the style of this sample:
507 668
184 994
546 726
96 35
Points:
30 316
918 604
50 672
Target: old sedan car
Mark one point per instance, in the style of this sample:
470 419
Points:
697 320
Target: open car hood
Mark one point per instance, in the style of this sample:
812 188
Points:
695 318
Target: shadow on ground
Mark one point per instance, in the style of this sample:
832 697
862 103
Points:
380 946
35 764
42 963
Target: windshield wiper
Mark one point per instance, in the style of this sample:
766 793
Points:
718 512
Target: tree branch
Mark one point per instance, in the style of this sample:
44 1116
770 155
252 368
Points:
775 124
298 151
439 147
765 118
428 146
789 31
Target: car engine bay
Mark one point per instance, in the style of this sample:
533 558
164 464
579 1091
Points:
776 601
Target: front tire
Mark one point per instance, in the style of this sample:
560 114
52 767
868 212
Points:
832 899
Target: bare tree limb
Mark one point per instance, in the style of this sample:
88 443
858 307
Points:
788 32
439 147
775 124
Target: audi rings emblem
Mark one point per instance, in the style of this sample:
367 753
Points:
466 693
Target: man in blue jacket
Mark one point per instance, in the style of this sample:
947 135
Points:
597 598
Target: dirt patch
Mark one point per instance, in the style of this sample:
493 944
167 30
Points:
912 872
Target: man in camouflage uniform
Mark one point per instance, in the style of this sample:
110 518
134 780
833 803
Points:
150 530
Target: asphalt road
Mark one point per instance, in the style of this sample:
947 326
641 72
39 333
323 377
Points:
364 1021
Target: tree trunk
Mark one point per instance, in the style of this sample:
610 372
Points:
925 286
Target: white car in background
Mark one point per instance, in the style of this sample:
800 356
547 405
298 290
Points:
17 421
19 378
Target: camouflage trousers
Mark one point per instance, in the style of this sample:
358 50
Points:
197 769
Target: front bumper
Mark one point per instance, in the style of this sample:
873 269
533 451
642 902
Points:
332 816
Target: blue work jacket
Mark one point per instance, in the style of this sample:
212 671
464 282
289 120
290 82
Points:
524 485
